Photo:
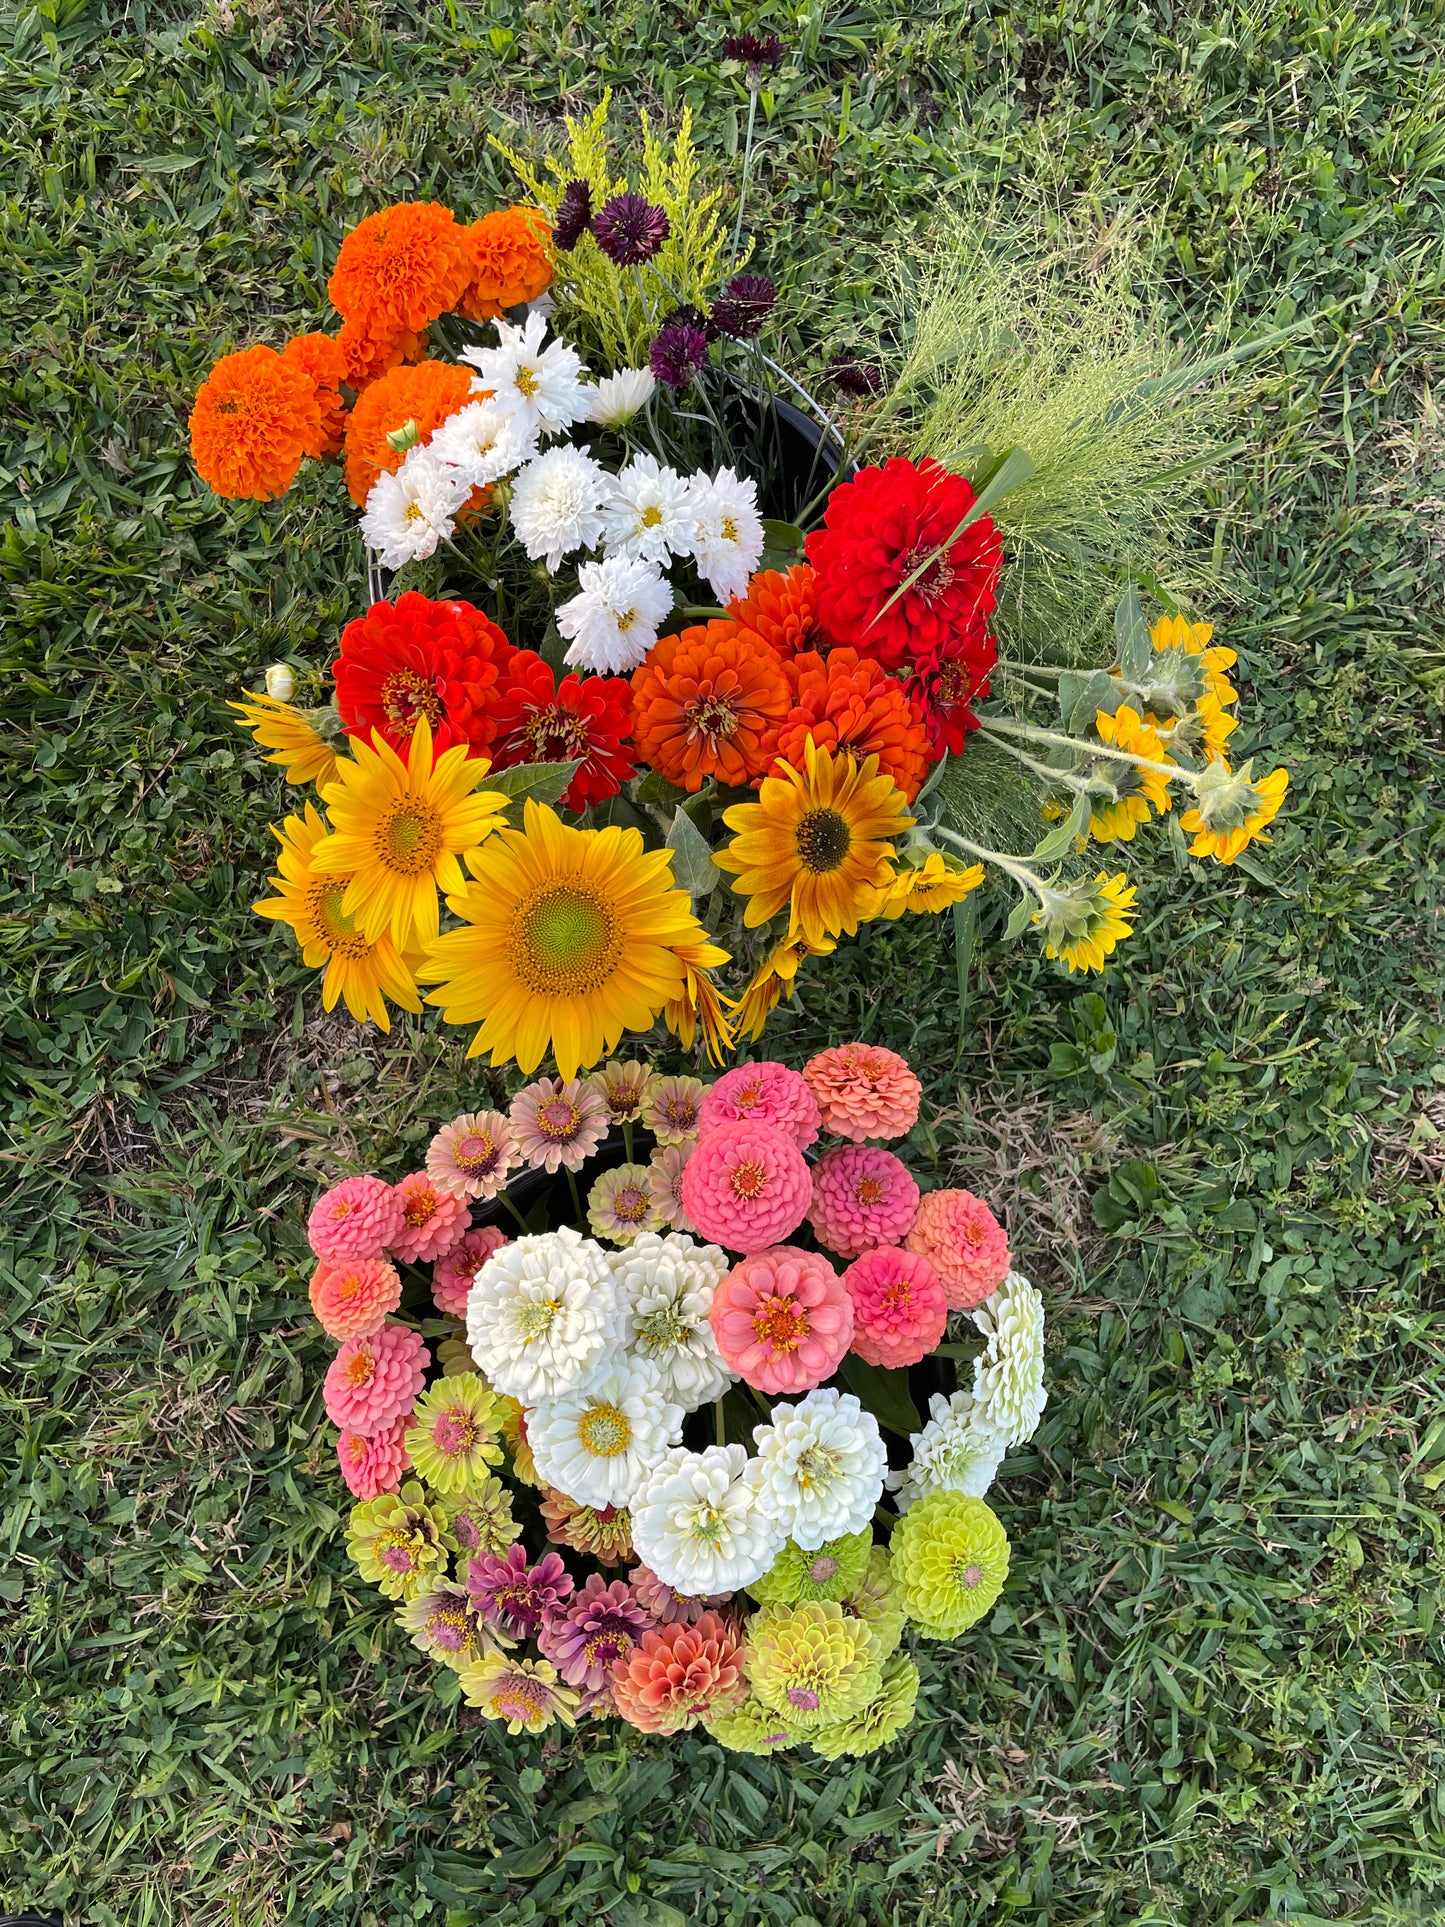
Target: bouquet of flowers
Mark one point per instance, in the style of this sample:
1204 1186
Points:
667 675
647 1477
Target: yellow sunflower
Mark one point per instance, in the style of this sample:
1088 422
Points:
400 828
363 974
701 1002
301 751
775 979
932 888
572 937
1117 821
1083 925
818 839
1232 810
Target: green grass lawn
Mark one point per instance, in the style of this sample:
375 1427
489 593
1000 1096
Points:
1212 1692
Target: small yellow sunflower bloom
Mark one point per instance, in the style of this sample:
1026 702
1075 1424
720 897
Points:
301 751
1084 924
774 980
1128 731
1232 810
932 888
701 1002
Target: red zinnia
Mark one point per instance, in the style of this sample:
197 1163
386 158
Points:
539 721
441 660
877 530
941 692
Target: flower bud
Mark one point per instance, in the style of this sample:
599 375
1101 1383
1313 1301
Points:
403 438
280 682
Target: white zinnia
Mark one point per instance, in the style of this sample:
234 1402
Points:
541 1314
957 1451
613 621
599 1443
727 531
483 442
409 511
698 1525
667 1285
556 504
822 1466
617 398
542 387
650 512
1008 1375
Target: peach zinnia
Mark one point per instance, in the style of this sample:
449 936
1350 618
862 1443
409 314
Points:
676 1674
782 1319
765 1093
746 1186
371 1466
966 1244
355 1297
432 1220
899 1310
357 1218
864 1091
374 1381
703 703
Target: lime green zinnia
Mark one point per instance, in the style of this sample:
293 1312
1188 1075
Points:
751 1728
455 1434
949 1561
810 1662
400 1542
875 1601
879 1720
832 1572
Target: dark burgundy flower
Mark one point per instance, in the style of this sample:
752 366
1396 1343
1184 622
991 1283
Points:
743 306
680 347
857 377
574 215
630 229
755 51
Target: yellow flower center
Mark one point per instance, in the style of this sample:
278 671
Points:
454 1434
565 941
330 922
359 1368
625 621
536 1316
729 529
781 1323
749 1178
408 839
477 1156
411 513
713 717
558 1119
527 383
824 840
604 1431
406 694
420 1207
651 516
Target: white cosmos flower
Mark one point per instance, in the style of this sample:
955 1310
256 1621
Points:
599 1443
483 442
697 1523
556 504
957 1451
822 1463
541 1321
617 398
613 620
542 387
667 1285
412 509
650 512
1008 1375
727 532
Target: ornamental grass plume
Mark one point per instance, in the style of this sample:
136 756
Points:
948 1559
746 1186
782 1319
371 1466
899 1308
525 1693
864 1091
354 1298
863 1197
810 1662
399 1541
965 1243
374 1381
603 1533
831 1571
879 1720
678 1673
767 1093
357 1218
454 1437
454 1272
433 1221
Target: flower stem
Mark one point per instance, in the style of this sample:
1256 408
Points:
718 1426
506 1199
1175 771
576 1197
747 170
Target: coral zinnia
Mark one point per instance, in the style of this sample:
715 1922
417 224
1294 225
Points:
863 1197
704 702
966 1243
424 396
572 937
584 719
416 657
819 840
323 361
949 1560
357 1218
432 1220
782 1319
371 1466
845 701
766 1093
746 1186
675 1675
452 1275
300 751
373 1381
512 261
401 267
354 1297
899 1310
782 609
863 1091
255 415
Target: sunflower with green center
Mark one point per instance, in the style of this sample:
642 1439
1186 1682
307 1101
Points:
399 1541
1232 810
879 1720
300 748
819 840
571 937
1083 924
949 1559
832 1572
362 974
811 1663
455 1434
1138 788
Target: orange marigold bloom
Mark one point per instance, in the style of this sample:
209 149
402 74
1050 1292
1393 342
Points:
369 355
322 360
704 702
782 609
512 261
426 394
255 416
401 267
847 701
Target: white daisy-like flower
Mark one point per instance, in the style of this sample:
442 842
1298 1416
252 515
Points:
599 1443
727 531
957 1451
650 512
822 1464
697 1523
557 504
542 1313
1008 1374
543 387
411 510
667 1284
613 621
483 442
617 398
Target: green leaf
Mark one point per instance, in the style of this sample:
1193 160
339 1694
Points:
783 538
1090 694
1020 917
1060 839
965 936
542 782
693 868
884 1394
1131 633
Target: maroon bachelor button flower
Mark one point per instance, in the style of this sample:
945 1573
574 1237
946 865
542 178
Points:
857 377
680 347
630 230
574 215
743 306
755 51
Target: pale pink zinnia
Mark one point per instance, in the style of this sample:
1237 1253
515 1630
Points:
432 1220
899 1310
746 1186
355 1297
357 1218
371 1466
864 1091
452 1274
558 1124
471 1156
763 1094
664 1604
374 1381
671 1108
782 1319
863 1196
966 1243
664 1174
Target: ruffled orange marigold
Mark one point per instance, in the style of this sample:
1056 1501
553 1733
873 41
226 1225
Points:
704 703
512 261
782 609
369 356
255 416
426 395
323 361
847 701
401 267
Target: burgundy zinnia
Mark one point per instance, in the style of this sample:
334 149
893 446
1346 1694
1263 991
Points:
680 347
942 691
630 230
510 1596
539 720
743 306
574 215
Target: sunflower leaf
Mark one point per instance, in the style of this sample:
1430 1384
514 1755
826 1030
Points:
693 868
542 782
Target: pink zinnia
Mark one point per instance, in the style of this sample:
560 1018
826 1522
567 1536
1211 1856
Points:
586 1633
862 1197
762 1094
559 1124
374 1381
432 1220
899 1310
658 1598
782 1319
354 1298
471 1156
452 1274
357 1218
746 1186
966 1243
513 1597
676 1674
864 1091
371 1466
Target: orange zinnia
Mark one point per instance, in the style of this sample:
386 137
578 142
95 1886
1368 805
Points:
254 417
704 702
782 609
369 356
400 268
321 359
512 261
845 701
426 395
